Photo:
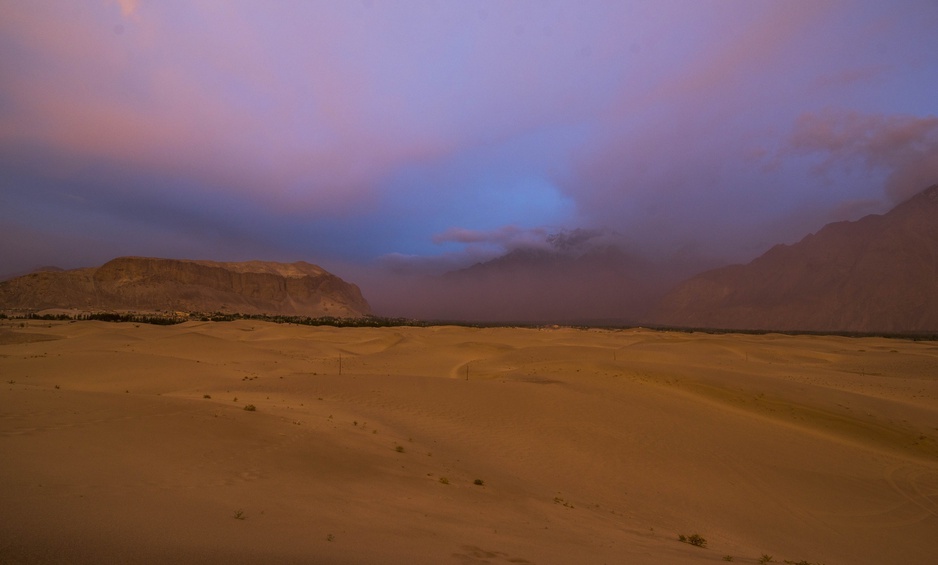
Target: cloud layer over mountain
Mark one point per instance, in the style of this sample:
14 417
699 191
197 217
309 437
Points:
432 135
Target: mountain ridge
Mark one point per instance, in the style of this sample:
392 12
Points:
878 273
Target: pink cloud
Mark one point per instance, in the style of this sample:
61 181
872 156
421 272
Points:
506 237
128 7
659 120
218 108
865 74
904 147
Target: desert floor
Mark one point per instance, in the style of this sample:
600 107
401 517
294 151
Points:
124 443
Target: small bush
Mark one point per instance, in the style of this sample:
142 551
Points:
444 480
693 539
478 482
559 500
206 396
399 449
250 407
727 558
766 558
239 515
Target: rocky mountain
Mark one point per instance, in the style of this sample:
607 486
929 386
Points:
876 274
148 284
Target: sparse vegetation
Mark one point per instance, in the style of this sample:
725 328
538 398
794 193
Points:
694 539
250 407
766 558
206 396
170 318
479 482
561 501
444 480
239 514
159 320
362 322
330 537
727 558
399 449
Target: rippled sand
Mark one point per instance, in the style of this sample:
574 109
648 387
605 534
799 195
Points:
126 443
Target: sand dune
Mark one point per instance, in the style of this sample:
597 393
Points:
593 446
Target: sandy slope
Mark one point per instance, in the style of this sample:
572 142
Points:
594 446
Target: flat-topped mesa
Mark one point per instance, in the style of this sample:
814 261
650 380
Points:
145 283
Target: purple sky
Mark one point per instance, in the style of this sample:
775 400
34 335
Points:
370 135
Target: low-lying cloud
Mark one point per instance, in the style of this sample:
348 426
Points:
903 148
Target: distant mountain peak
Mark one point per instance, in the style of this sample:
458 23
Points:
575 239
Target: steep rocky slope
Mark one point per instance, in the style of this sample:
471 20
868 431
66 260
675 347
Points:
877 274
